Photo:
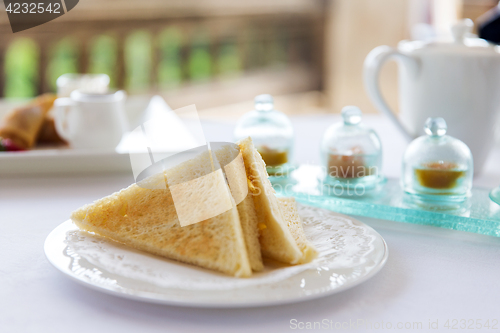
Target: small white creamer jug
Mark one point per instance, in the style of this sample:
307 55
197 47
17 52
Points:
91 121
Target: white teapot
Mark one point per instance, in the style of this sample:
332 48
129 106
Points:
458 81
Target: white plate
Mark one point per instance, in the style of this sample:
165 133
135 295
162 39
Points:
350 253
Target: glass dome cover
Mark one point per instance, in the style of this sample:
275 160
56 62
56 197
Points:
437 164
271 132
350 150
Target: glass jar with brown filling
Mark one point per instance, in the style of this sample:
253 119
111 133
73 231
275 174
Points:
351 152
437 164
272 134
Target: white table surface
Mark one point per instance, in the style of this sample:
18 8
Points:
431 275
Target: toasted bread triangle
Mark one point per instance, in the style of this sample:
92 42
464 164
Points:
143 216
276 240
246 212
289 210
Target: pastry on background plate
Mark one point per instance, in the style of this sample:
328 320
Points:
22 125
48 133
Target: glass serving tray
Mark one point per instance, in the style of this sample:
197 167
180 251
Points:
387 201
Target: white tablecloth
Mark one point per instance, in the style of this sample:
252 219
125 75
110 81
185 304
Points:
431 275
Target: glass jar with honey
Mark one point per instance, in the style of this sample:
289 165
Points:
351 152
272 134
437 166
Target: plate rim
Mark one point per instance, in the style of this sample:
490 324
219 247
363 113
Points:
148 298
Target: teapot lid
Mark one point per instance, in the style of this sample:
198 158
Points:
459 41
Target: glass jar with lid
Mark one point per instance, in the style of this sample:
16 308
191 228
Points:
437 166
351 152
271 132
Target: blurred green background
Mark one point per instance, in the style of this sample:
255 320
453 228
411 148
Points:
180 59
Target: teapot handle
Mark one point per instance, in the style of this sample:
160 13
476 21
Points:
373 63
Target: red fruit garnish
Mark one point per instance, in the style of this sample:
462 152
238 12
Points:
9 145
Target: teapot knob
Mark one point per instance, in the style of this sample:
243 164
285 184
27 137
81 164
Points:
461 29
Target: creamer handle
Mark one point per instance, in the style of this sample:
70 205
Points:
61 108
